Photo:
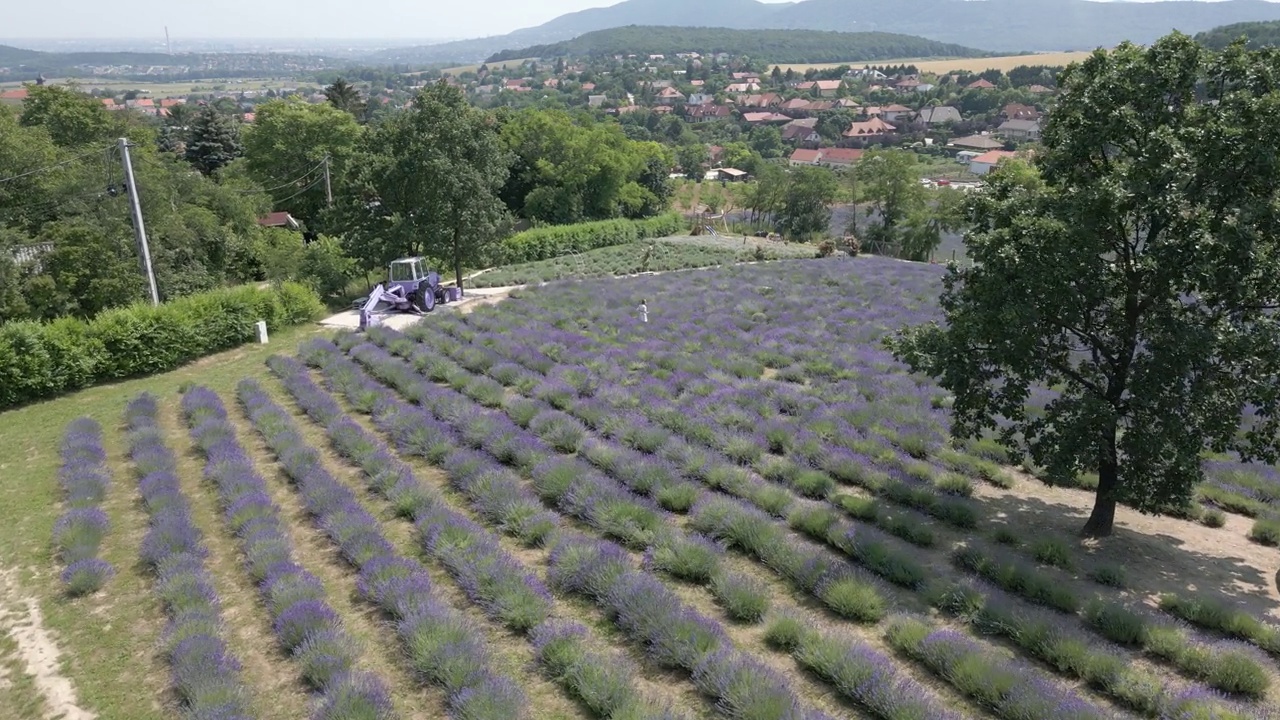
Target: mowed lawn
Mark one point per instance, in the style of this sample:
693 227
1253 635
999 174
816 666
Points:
1004 63
739 505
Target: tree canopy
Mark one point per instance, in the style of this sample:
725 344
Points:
1134 272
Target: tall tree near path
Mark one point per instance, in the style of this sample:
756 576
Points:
428 184
1135 267
213 141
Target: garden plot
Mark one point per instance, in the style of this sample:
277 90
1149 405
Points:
545 507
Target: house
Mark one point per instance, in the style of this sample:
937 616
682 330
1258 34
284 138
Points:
1040 90
279 219
976 142
825 88
803 130
588 87
907 85
742 88
890 113
697 83
817 106
939 115
746 77
700 99
767 100
513 84
804 157
826 157
873 111
596 101
867 73
248 118
795 104
984 163
707 113
873 128
840 157
732 175
1024 130
764 118
670 96
1018 111
925 87
14 95
980 84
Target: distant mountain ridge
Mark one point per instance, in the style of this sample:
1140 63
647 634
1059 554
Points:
779 46
992 25
1258 34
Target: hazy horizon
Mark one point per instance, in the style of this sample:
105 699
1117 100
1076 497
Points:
316 20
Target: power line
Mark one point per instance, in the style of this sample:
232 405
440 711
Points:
314 183
46 168
291 183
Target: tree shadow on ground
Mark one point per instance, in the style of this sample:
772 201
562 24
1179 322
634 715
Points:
1157 554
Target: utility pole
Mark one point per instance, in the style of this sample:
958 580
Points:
328 188
138 229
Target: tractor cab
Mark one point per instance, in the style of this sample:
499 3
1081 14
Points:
406 273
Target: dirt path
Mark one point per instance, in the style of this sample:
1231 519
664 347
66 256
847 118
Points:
21 620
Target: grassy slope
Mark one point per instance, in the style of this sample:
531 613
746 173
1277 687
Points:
114 633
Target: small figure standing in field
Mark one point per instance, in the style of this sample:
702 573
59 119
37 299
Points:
644 312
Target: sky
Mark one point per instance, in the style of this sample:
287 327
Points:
301 19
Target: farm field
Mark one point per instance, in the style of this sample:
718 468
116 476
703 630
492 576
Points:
1004 63
546 508
661 255
167 89
502 65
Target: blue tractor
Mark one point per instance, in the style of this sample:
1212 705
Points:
410 288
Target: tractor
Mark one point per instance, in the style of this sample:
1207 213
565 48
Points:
410 288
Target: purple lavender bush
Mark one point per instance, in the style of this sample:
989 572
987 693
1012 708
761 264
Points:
79 531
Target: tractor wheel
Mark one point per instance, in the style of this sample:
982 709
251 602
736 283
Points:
424 297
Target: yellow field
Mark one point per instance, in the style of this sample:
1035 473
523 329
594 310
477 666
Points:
504 65
1003 63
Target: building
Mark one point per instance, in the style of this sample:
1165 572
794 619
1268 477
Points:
765 118
986 162
803 156
981 143
279 219
596 101
803 130
1018 111
670 96
1021 130
980 84
939 115
707 113
891 113
700 98
835 158
825 88
869 129
732 175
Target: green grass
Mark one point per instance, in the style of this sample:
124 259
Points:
632 258
107 640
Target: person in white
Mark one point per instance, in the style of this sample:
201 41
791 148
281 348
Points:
644 312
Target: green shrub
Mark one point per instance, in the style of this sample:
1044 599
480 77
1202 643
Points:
1006 536
862 508
786 632
549 242
40 361
1116 622
743 598
1109 575
1213 518
1052 551
854 599
1266 531
813 483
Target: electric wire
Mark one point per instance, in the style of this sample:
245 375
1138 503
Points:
314 183
47 168
291 183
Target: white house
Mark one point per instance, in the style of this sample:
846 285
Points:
986 162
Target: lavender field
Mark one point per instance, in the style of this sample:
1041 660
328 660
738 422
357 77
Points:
549 508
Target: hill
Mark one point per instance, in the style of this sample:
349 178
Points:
1259 34
995 25
779 46
22 64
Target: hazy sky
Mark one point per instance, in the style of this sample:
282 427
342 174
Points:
278 18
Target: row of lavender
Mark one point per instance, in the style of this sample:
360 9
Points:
1226 667
206 676
755 533
858 307
674 634
488 575
79 531
306 626
570 346
1106 669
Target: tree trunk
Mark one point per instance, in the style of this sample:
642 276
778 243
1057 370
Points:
457 264
1103 516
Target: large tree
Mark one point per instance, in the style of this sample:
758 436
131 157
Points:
286 148
904 218
428 184
345 97
213 141
1135 271
806 202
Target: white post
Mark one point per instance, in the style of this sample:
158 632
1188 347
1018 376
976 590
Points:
262 331
138 229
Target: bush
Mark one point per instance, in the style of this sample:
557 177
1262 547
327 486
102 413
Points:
1116 623
1109 575
1266 531
40 361
743 598
549 242
1213 518
1053 552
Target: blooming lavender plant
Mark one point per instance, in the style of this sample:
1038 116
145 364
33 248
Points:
79 531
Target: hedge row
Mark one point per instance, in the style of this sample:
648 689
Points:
551 242
42 360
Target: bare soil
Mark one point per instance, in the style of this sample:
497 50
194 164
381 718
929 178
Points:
21 620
